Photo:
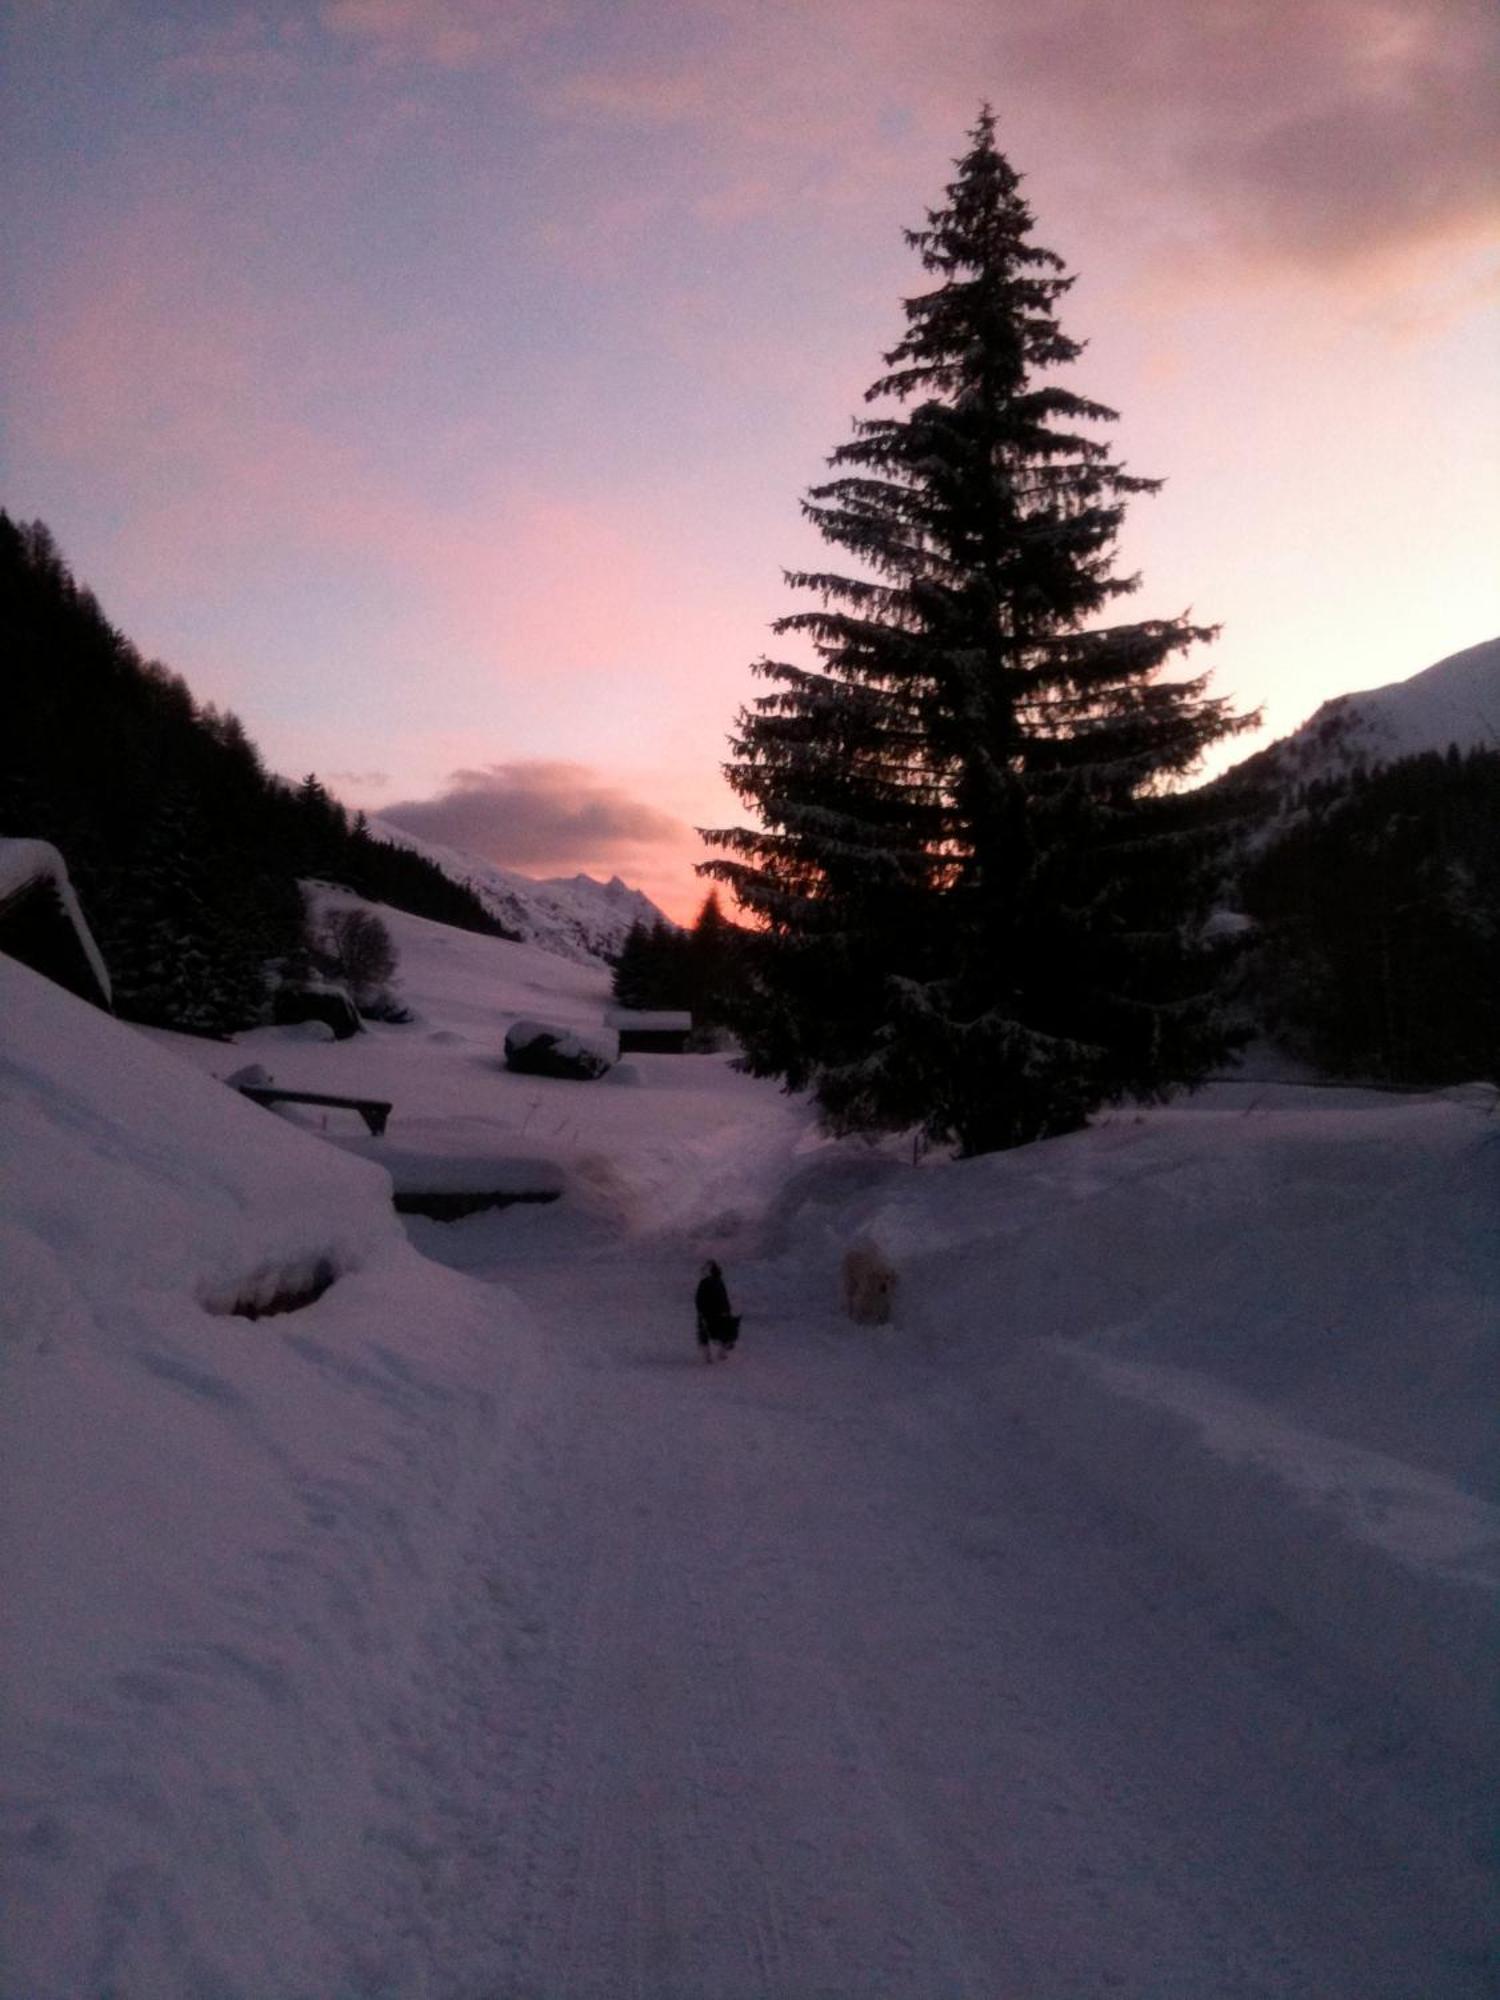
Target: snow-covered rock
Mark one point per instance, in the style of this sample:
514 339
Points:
577 917
541 1048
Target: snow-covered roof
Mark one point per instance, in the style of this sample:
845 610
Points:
658 1021
26 865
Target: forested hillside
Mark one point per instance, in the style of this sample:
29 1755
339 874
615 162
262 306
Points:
1377 912
185 851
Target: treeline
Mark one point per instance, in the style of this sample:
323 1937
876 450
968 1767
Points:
184 850
693 971
1377 913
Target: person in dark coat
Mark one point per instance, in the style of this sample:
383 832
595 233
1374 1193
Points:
717 1324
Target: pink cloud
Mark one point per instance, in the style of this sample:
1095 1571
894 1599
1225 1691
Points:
538 815
641 98
1321 133
444 34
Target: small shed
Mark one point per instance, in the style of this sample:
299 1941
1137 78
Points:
650 1033
41 923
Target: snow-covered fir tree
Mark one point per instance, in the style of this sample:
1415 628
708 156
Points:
979 892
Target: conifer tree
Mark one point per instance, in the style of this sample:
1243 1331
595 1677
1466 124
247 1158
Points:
979 899
629 982
710 951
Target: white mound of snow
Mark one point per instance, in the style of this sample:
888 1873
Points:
220 1535
602 1047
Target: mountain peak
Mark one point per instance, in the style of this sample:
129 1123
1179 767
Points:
577 916
1457 700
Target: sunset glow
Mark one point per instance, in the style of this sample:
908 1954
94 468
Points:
434 382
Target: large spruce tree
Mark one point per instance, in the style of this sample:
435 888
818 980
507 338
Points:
980 895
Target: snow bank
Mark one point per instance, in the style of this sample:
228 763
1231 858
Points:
529 1044
1267 1320
220 1535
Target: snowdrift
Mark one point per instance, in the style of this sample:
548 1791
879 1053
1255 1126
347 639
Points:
221 1535
1266 1321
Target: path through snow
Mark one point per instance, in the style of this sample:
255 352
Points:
810 1674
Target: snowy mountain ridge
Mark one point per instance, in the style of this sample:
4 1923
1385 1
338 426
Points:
1457 700
576 917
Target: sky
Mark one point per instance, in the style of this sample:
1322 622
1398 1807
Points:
435 382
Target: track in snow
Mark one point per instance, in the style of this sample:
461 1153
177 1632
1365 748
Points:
801 1676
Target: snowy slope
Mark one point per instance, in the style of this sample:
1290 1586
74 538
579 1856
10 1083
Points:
1120 1619
661 1142
578 918
220 1535
1456 701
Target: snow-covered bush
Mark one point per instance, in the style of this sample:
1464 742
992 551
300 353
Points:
353 946
316 1000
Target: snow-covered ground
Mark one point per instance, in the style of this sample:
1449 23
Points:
1120 1620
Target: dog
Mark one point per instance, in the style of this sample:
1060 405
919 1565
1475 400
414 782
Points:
870 1281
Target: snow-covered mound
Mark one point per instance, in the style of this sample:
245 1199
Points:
537 1048
578 917
221 1534
1456 701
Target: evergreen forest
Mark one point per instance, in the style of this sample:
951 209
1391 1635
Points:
1376 904
698 970
185 852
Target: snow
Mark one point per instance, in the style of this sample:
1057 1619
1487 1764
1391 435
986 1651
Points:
576 917
1457 701
600 1047
1121 1619
220 1535
657 1020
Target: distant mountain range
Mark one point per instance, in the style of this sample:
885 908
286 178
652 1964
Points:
575 917
1456 701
